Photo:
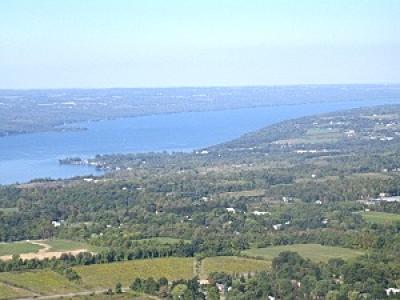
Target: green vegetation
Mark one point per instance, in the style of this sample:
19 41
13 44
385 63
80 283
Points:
58 245
9 292
42 282
18 248
232 265
381 217
315 252
163 240
107 275
103 296
255 196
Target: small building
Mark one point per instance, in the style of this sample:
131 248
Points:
260 213
56 223
277 226
392 291
220 287
204 282
231 210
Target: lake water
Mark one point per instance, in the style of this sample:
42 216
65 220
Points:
25 157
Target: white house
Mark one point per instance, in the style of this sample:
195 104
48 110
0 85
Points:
392 291
231 210
56 223
277 226
261 213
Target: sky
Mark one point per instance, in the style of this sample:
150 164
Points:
173 43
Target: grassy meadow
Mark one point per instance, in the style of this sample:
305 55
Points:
17 248
380 217
44 282
315 252
9 292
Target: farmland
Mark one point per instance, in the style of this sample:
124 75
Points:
10 292
102 296
232 264
380 217
315 252
68 245
18 248
42 282
107 275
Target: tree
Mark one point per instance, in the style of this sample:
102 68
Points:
118 288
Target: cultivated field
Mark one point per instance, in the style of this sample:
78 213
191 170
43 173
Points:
380 217
18 248
10 292
315 252
107 275
232 264
44 282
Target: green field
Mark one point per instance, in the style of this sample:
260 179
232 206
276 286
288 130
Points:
9 292
68 245
43 282
380 217
232 264
18 248
315 252
107 275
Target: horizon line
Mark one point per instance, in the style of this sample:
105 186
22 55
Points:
201 86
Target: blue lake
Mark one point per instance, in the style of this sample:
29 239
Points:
29 156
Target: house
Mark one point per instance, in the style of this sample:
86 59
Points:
271 298
204 282
220 287
392 291
260 213
231 210
319 202
287 199
56 223
277 226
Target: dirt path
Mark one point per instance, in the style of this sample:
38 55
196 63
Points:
19 289
86 293
44 252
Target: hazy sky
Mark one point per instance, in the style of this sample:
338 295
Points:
150 43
